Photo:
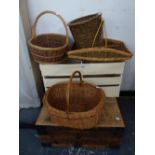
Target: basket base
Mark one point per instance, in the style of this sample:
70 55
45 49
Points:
107 133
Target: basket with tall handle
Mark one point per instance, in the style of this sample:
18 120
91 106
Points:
51 47
74 104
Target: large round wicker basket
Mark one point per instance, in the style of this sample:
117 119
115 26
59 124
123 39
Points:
75 104
48 48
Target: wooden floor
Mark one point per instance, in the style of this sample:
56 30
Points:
108 132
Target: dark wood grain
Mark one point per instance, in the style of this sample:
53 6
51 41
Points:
108 132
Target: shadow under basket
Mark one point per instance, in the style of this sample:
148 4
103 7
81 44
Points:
75 104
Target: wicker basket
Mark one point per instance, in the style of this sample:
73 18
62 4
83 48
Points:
73 104
111 51
48 48
87 31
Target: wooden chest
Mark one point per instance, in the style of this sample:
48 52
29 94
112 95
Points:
108 132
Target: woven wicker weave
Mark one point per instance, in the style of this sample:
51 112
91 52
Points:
111 51
48 48
74 104
87 30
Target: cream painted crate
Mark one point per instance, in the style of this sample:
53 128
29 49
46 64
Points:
108 76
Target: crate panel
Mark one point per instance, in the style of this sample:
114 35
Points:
110 91
98 81
86 69
108 76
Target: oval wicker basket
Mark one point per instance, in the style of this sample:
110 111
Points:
87 30
48 48
74 104
111 51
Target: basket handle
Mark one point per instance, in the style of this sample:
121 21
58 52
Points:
49 12
69 87
106 40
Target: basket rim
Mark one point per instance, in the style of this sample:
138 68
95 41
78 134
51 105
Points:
73 23
74 115
99 59
47 48
94 49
